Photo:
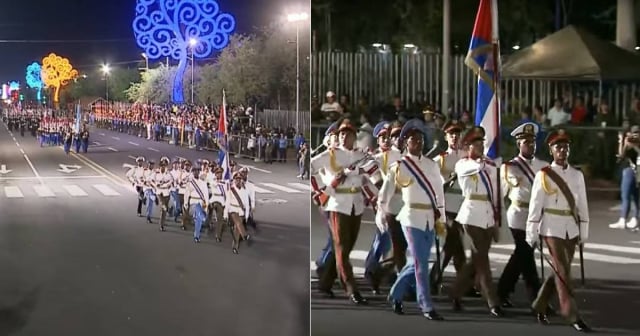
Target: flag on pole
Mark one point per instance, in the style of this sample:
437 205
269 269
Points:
78 117
483 58
223 156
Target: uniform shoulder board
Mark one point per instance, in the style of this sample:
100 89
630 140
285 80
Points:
444 153
545 169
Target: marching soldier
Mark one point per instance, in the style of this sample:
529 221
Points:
236 209
217 202
164 181
184 181
388 155
196 193
420 217
177 199
77 140
84 137
205 172
68 139
516 179
478 214
446 161
559 213
149 188
135 175
244 171
345 167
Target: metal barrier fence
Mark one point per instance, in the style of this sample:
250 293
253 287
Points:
382 75
284 119
593 148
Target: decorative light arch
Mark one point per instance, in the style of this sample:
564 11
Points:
34 78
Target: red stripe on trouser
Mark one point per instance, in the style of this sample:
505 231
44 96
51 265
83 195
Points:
372 170
337 246
314 184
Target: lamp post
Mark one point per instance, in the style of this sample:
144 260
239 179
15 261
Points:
192 43
105 70
146 61
297 18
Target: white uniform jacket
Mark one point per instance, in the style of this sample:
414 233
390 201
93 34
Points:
148 175
516 180
385 159
135 176
446 161
163 181
183 181
251 190
218 195
177 176
233 205
418 208
347 197
192 195
549 210
480 202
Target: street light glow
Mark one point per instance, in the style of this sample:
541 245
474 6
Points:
409 45
377 45
193 42
106 69
516 47
637 48
144 55
297 17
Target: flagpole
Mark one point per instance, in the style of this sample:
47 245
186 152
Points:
496 89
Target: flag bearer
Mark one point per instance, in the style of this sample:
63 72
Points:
197 197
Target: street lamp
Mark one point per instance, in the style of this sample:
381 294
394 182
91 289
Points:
105 70
297 18
192 43
146 61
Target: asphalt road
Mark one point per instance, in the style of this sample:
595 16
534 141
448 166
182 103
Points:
609 302
76 260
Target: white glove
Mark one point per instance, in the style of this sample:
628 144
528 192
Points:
533 242
381 221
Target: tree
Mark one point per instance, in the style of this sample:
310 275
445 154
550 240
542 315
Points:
154 87
119 80
166 28
34 78
57 72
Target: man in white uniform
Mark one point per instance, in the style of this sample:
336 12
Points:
236 209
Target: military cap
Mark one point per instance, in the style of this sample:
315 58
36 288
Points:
452 126
218 170
412 125
204 162
381 128
428 110
151 162
244 170
396 128
187 163
140 159
333 128
558 136
473 134
525 130
164 160
237 175
346 125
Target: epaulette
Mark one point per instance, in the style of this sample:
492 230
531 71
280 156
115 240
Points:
445 153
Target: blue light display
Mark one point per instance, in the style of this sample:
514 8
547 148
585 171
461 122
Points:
164 28
34 78
14 86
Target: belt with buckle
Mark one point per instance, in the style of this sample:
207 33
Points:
420 206
478 197
557 212
352 190
217 194
520 204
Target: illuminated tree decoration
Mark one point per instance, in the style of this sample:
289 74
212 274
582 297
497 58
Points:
34 77
164 28
56 73
14 86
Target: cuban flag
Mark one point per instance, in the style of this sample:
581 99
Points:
483 59
78 117
223 156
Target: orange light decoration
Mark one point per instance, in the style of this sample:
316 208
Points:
57 72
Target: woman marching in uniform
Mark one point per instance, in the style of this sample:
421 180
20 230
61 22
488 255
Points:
237 209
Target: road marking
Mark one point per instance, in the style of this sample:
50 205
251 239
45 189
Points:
258 169
17 144
13 192
134 143
75 191
43 191
27 178
117 180
102 134
35 172
22 151
152 149
259 190
97 143
106 190
112 149
281 188
115 138
132 157
589 255
301 186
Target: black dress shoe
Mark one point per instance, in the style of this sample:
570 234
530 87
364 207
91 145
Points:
162 229
496 312
248 239
580 326
327 293
358 299
397 307
234 250
551 311
433 316
473 293
184 228
218 239
542 319
506 303
457 305
149 221
196 240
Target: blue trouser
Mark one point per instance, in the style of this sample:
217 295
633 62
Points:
380 246
85 145
629 193
77 145
199 216
67 147
176 207
175 136
327 251
43 139
419 243
151 198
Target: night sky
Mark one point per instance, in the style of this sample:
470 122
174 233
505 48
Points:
100 20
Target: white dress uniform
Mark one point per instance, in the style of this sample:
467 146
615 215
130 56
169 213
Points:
477 209
516 181
446 162
236 209
135 176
